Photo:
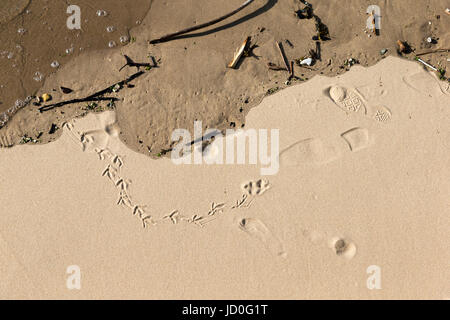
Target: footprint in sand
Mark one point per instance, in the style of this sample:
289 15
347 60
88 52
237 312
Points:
258 230
357 139
255 188
351 101
427 83
309 151
343 247
348 100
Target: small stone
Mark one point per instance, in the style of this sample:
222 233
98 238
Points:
383 51
102 13
54 64
307 61
112 44
46 97
66 90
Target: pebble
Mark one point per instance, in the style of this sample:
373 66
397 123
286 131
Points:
308 62
112 44
110 29
46 97
102 13
383 51
124 39
54 64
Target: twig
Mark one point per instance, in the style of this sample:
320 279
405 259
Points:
427 64
239 52
434 51
170 36
131 63
93 97
292 70
283 56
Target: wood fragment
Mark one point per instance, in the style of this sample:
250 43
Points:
171 36
401 46
433 51
292 70
98 96
374 29
283 56
238 54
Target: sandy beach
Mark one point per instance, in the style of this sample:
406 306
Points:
362 187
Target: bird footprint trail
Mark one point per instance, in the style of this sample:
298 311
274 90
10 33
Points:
97 141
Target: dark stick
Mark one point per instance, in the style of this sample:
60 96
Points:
93 97
434 51
204 25
131 63
283 56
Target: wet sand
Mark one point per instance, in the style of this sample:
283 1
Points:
193 82
34 34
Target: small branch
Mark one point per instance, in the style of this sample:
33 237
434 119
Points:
434 51
93 97
169 37
131 63
283 56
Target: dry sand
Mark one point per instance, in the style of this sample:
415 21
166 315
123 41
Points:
192 81
364 159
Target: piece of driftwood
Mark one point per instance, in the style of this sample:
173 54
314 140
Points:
170 36
283 56
433 51
372 16
98 96
427 64
238 54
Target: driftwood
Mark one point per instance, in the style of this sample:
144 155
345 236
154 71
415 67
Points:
283 56
433 51
98 96
170 36
238 55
